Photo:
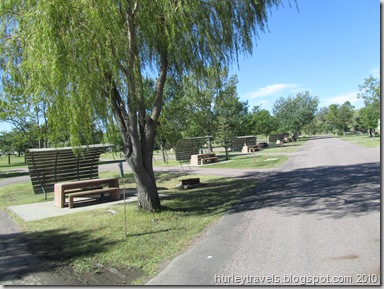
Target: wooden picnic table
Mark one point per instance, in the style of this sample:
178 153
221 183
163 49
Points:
201 159
250 149
83 188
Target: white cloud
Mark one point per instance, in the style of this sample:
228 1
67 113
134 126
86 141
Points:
272 90
375 72
340 99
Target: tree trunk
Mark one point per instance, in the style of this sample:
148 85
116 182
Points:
139 159
162 145
137 128
147 194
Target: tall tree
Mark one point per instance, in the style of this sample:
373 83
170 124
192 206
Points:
14 141
321 120
369 119
345 115
295 112
199 107
89 57
173 116
264 122
332 118
199 95
370 92
340 117
228 109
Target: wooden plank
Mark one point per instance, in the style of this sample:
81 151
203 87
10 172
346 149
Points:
114 194
47 166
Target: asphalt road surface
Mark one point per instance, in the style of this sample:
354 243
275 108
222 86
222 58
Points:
315 220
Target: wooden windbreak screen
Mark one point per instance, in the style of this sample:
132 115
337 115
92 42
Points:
49 166
187 147
240 141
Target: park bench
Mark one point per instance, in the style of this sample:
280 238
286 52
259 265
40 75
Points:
78 168
85 188
201 159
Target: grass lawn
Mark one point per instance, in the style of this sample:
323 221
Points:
363 140
12 169
243 161
82 240
250 161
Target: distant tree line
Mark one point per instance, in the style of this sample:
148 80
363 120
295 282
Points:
211 106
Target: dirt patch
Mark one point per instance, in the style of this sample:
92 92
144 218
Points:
43 274
103 275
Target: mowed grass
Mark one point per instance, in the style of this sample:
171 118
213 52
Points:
250 161
82 240
246 161
16 167
259 160
363 140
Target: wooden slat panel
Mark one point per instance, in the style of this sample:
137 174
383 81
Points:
187 147
48 166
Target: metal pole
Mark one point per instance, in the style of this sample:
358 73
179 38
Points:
125 210
121 169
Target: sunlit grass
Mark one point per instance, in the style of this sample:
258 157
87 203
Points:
258 160
16 167
239 161
363 140
250 161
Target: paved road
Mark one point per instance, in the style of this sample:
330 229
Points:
317 220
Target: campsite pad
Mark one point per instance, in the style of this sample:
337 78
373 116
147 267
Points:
37 211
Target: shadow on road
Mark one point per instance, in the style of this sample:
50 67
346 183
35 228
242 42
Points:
335 191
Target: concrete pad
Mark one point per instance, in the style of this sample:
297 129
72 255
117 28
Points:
43 210
37 211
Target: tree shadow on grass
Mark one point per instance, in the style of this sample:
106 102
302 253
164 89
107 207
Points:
31 252
214 197
167 176
334 191
56 245
12 174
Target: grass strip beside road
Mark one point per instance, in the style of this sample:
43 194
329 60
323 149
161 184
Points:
16 168
245 161
363 140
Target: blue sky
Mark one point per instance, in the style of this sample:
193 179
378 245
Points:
327 47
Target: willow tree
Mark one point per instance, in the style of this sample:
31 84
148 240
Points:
90 57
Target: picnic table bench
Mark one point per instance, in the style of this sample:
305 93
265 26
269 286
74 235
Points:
201 159
250 149
85 188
